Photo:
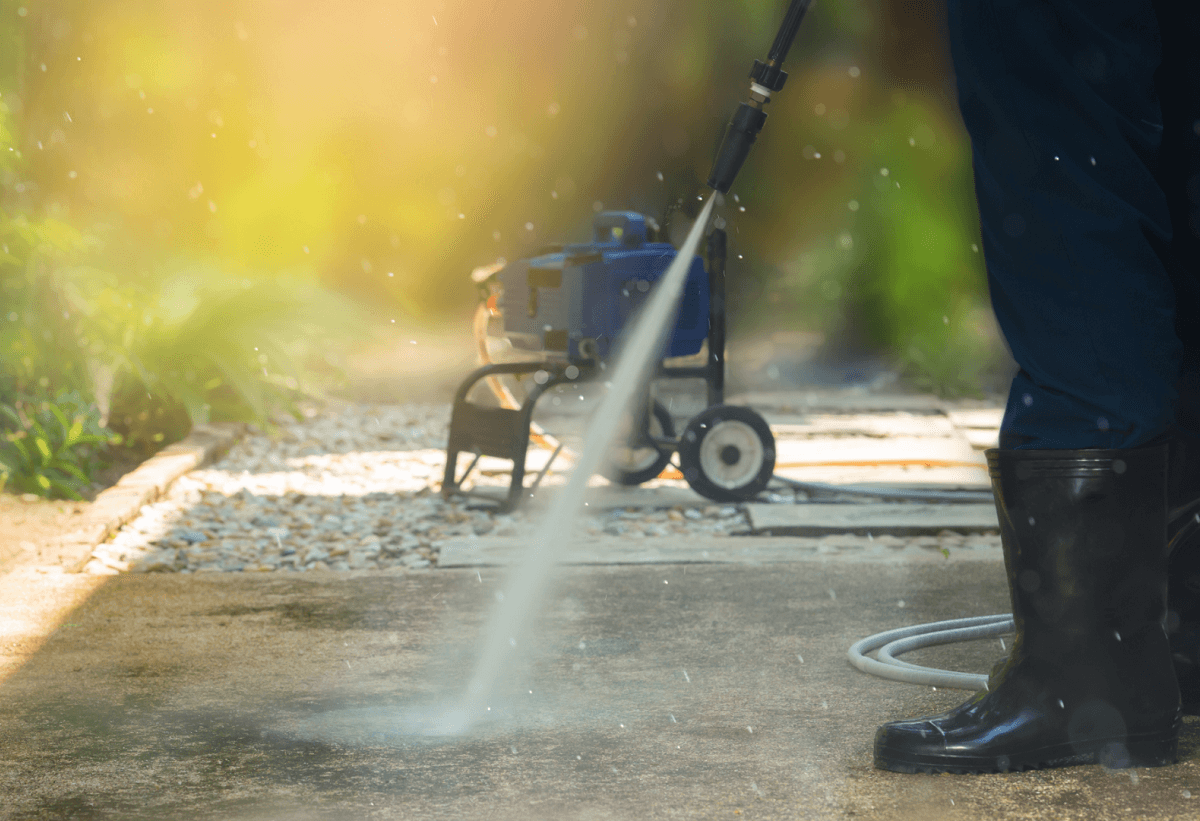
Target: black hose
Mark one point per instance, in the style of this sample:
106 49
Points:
975 496
787 31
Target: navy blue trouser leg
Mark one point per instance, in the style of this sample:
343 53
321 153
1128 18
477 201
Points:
1085 130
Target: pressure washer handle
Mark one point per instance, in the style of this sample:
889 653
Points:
765 78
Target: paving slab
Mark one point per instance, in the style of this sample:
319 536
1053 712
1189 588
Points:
859 424
500 551
644 692
897 519
851 400
979 418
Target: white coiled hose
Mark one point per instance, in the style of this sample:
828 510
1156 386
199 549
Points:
892 643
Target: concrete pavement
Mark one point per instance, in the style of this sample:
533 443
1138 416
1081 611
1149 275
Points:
658 691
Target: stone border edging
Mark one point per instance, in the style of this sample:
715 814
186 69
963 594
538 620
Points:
144 485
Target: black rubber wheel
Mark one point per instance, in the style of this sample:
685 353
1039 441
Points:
727 453
634 465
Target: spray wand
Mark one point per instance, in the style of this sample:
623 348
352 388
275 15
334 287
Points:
765 79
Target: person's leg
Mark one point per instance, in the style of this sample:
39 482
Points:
1059 99
1178 83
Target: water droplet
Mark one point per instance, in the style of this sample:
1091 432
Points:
1093 159
912 141
529 226
750 730
884 172
1102 423
833 594
853 205
945 320
900 603
686 677
1056 158
1031 521
742 208
672 717
1027 399
660 176
800 658
854 71
975 248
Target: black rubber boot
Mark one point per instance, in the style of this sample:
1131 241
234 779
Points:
1089 678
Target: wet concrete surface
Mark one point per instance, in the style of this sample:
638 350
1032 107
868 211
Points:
658 691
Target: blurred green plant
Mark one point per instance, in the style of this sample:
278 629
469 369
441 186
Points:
52 447
191 343
920 291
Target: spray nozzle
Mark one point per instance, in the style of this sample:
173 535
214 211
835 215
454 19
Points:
739 136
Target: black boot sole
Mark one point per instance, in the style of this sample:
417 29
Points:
1145 750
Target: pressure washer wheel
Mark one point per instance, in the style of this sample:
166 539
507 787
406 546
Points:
727 453
634 463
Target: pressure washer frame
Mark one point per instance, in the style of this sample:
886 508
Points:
504 432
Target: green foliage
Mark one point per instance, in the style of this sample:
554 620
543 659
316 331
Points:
922 290
51 447
194 344
894 268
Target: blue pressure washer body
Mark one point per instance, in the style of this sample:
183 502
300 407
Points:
574 302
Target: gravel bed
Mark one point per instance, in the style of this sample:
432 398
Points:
348 487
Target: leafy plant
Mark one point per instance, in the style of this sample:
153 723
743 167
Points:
51 448
193 344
